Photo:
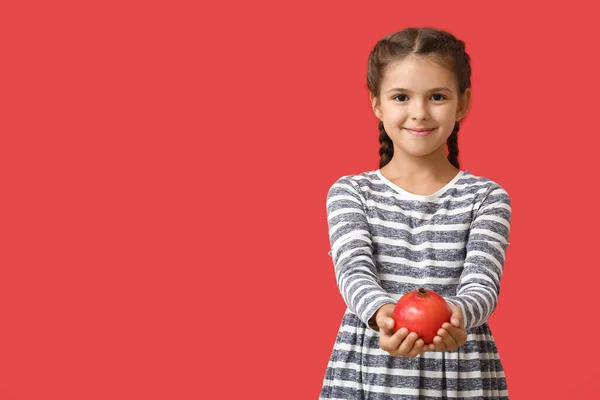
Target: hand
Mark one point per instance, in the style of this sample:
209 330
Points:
451 335
402 343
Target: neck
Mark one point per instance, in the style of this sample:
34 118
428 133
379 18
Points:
436 164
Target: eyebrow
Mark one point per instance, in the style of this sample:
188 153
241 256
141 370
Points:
437 89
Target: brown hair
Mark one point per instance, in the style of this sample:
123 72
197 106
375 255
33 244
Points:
429 42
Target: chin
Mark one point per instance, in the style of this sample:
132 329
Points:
421 152
417 153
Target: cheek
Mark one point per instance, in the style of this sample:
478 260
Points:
394 113
446 118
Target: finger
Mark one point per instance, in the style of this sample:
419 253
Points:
386 325
438 343
408 343
460 335
385 336
394 341
448 339
418 348
389 323
385 339
456 319
428 347
384 314
451 330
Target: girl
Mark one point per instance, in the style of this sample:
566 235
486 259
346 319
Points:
417 221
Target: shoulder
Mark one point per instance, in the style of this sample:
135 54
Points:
484 186
488 192
355 183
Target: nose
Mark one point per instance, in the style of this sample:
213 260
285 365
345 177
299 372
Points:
419 111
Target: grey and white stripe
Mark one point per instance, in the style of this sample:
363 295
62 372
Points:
386 242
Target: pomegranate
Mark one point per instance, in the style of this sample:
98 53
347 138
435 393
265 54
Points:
423 312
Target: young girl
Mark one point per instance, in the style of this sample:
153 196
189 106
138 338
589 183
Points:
417 221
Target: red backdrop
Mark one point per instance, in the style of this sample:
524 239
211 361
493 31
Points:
164 173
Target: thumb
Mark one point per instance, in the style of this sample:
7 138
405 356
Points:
388 323
385 322
457 317
386 326
384 317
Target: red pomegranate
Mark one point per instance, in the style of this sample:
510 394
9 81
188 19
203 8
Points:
423 312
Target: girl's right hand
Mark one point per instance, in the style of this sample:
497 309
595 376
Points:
402 343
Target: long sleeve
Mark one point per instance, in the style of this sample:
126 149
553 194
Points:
479 286
352 251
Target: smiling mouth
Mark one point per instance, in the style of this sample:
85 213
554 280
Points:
419 132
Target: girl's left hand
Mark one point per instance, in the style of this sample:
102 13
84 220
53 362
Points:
451 335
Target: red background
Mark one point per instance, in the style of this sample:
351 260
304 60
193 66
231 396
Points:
164 167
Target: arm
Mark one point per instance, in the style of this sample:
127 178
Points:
352 252
479 287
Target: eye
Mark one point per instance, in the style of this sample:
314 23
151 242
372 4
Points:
434 97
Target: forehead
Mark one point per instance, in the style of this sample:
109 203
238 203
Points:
418 74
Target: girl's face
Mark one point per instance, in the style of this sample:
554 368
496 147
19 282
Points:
418 104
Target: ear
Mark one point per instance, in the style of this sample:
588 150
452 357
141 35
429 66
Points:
464 104
375 105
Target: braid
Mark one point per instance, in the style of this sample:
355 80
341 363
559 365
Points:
386 149
452 143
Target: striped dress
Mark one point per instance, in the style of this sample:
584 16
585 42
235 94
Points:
386 242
